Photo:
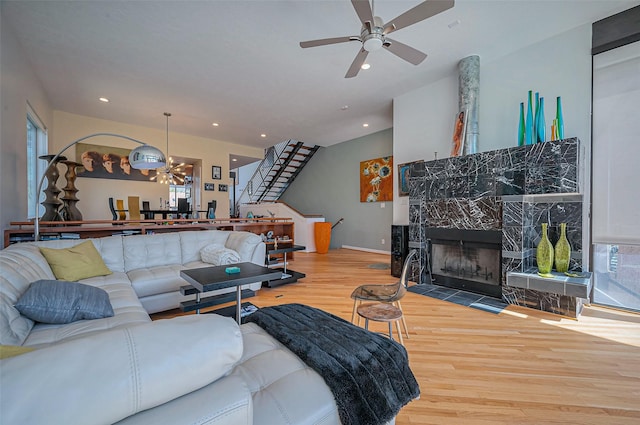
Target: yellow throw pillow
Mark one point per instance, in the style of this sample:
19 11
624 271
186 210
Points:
7 351
78 262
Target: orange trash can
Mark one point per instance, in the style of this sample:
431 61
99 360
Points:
322 236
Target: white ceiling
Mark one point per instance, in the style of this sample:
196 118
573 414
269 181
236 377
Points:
239 63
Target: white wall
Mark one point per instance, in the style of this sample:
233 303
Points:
243 175
94 193
303 226
19 86
558 66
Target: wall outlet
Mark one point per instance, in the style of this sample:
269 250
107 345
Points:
382 241
382 205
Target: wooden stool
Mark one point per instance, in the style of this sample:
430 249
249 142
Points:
381 312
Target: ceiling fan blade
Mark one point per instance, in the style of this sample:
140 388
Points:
357 63
405 52
419 13
325 41
363 9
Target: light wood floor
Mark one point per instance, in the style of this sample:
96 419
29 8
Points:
521 366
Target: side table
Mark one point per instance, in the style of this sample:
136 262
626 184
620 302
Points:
288 275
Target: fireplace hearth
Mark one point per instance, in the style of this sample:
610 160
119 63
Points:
466 259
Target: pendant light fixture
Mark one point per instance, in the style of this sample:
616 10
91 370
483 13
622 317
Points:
171 173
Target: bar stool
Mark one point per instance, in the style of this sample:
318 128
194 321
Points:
381 312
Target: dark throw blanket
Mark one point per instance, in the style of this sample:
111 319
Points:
368 374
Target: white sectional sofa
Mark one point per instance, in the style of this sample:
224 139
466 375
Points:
129 370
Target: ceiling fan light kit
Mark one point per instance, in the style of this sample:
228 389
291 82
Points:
373 34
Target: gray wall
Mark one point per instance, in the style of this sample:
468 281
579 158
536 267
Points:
330 185
19 87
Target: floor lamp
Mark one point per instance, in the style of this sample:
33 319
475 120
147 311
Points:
144 157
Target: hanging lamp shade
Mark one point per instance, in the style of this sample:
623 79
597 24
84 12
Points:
146 157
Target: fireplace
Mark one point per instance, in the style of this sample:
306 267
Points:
466 259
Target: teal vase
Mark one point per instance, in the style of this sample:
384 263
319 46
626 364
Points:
559 118
544 252
521 133
540 123
529 122
562 250
536 111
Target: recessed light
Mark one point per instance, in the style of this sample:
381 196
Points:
365 66
215 124
263 135
104 99
234 159
365 125
344 108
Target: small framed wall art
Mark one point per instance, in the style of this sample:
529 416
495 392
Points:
216 172
403 178
222 187
209 186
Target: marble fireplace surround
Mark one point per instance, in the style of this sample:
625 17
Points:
470 192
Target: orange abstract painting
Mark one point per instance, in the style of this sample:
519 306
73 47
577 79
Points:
376 180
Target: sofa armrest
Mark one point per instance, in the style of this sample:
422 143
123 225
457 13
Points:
248 245
109 376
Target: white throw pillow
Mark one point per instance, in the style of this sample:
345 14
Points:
219 255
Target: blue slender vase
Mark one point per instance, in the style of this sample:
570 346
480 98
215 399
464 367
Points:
536 111
529 121
540 124
560 120
521 131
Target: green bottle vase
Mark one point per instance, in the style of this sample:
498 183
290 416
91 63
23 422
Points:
544 252
562 250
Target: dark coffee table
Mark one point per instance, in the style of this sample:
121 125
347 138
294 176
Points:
212 278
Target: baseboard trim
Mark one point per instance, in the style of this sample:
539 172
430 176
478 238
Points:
357 248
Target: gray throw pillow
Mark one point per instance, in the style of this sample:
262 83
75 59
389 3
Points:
59 301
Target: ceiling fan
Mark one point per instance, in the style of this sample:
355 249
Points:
374 32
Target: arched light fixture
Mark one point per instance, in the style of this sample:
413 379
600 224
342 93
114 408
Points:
169 173
144 157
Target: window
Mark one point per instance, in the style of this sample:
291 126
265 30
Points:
176 192
36 146
616 200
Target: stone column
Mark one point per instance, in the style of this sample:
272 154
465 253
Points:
469 99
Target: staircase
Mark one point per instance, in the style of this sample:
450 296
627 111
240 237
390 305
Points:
281 165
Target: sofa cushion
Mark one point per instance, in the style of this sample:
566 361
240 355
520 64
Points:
245 243
20 264
78 262
57 301
156 280
226 401
127 310
219 255
110 248
134 369
275 376
145 251
192 242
